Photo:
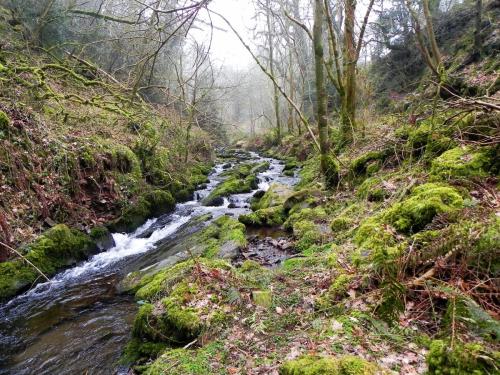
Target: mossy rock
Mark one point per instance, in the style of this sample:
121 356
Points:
102 237
224 232
290 164
272 216
169 318
375 240
132 217
276 195
426 201
326 365
368 163
463 162
430 138
151 204
372 189
56 249
138 350
463 359
340 224
160 202
241 179
153 287
121 158
305 198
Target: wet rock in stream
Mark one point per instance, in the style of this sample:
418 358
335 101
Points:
267 251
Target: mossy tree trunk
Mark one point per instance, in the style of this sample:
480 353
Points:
321 98
348 110
271 70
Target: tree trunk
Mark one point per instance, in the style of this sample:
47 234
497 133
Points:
478 40
436 55
320 87
292 96
271 70
348 110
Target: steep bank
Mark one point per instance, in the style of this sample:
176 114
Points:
77 150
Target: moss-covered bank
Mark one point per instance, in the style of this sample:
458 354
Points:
56 249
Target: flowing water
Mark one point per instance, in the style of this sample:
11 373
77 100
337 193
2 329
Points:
78 323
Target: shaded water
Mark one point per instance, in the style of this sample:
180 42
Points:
78 323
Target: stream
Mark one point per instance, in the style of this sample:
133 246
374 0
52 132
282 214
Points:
78 323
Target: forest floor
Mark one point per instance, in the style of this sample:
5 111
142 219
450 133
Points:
393 271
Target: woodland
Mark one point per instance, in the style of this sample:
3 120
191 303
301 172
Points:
321 199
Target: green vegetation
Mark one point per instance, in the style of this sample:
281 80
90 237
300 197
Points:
383 257
241 179
57 248
470 358
314 365
462 162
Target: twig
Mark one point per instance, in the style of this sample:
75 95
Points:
190 344
25 259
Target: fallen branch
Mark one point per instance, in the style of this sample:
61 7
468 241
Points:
431 272
25 259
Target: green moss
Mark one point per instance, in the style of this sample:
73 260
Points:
331 174
301 199
276 195
249 266
133 216
324 365
224 230
306 226
339 286
160 202
98 232
4 124
463 359
372 189
290 165
340 223
462 162
430 138
365 162
272 216
151 204
189 362
295 264
138 350
376 241
310 172
241 179
425 202
57 248
156 286
122 158
169 318
262 298
184 321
